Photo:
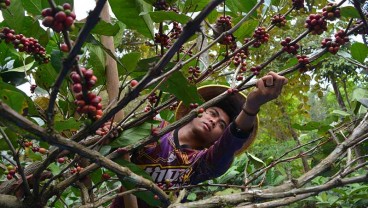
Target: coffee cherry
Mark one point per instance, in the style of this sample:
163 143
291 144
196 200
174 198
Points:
9 176
64 47
42 150
156 197
105 176
133 83
201 110
77 88
61 160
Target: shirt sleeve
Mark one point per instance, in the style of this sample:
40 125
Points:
216 160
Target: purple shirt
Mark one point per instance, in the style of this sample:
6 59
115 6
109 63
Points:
166 160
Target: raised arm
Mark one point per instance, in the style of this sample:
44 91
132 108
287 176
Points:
268 88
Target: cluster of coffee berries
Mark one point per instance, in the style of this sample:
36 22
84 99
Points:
298 4
288 47
240 59
152 98
261 36
334 46
303 59
4 4
166 185
27 143
40 150
76 169
232 91
193 105
10 171
90 104
331 11
224 22
24 44
173 106
60 18
279 20
162 39
341 37
176 31
331 46
316 23
106 128
255 69
194 73
227 40
161 5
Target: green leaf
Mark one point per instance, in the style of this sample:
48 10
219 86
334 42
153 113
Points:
70 124
13 137
128 12
32 111
359 93
359 51
96 175
134 135
34 156
175 85
14 15
56 60
246 29
240 6
33 7
130 61
14 100
195 5
105 28
97 63
256 158
105 150
160 16
349 11
23 69
45 76
192 196
340 113
312 126
55 169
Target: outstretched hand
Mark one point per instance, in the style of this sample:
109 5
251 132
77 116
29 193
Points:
268 88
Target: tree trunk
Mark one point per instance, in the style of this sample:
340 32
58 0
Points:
112 83
112 75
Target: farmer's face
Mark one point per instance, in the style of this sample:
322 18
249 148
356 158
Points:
211 125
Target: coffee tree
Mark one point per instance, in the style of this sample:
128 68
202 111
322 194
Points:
63 142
